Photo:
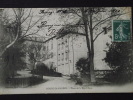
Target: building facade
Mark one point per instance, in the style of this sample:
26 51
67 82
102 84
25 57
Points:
62 52
50 52
70 48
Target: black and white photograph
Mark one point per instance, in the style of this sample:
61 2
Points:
66 50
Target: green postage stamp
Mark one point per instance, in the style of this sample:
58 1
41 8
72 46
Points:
121 30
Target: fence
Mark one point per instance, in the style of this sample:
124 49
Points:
102 73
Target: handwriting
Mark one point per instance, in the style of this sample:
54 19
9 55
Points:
45 12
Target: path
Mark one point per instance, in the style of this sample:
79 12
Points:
65 85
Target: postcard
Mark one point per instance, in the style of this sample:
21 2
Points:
66 50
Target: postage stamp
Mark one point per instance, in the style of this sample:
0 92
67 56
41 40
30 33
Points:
121 30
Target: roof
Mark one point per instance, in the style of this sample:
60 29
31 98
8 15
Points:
35 39
70 33
50 39
70 29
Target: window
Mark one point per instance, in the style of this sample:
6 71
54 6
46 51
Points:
59 57
51 54
58 46
66 41
62 44
51 44
66 55
62 56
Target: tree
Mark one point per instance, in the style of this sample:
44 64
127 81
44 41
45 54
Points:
16 27
14 60
120 58
33 51
94 21
21 25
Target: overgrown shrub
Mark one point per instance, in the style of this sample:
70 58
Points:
42 69
75 77
13 59
82 65
120 58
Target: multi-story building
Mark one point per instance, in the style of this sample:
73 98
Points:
64 50
70 48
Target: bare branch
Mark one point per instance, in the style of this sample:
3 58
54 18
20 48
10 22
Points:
36 22
30 34
100 33
15 13
109 26
29 24
27 16
76 13
108 18
11 44
22 13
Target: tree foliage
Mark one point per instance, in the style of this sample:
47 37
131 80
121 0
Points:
15 27
120 58
33 50
83 66
14 60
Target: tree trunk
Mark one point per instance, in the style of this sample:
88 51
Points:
92 72
88 41
86 31
34 67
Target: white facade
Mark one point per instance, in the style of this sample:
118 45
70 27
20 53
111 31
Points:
50 52
63 52
70 48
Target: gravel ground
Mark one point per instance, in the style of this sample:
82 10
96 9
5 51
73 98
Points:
65 85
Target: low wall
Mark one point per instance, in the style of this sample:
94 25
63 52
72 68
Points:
23 81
